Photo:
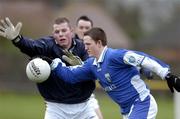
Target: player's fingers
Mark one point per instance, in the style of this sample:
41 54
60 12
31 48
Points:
2 34
18 27
67 59
170 85
77 58
2 28
71 54
8 22
4 23
67 53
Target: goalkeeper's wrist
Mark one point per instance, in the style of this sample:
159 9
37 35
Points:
17 39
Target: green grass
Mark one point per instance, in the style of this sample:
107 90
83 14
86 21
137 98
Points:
18 106
28 106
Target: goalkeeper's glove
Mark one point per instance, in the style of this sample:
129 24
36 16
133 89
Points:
71 59
9 31
173 81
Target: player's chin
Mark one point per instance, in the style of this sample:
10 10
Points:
63 44
90 54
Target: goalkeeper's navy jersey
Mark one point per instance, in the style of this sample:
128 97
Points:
54 89
116 70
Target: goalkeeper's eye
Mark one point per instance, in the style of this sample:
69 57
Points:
56 31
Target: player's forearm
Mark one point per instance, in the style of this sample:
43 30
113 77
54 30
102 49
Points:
155 67
64 74
145 61
72 74
30 47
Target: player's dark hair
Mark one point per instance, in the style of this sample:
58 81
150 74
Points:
61 20
85 18
97 34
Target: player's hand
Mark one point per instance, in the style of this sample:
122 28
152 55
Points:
71 59
173 82
8 30
55 63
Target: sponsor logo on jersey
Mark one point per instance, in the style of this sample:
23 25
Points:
108 77
110 87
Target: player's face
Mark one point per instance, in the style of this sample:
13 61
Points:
92 48
63 35
82 27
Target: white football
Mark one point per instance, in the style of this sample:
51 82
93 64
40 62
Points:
38 70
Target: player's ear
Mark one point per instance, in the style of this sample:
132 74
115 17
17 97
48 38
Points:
72 29
99 43
72 32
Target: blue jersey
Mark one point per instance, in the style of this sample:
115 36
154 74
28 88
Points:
116 70
54 89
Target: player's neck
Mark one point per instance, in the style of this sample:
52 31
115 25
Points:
99 53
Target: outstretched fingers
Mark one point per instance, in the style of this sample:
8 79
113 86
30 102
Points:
67 59
18 27
4 24
67 53
2 28
8 22
2 31
2 34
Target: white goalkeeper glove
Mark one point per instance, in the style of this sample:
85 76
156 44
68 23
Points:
8 30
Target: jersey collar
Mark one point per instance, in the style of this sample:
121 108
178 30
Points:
73 45
101 58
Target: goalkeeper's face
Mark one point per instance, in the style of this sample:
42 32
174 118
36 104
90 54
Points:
62 34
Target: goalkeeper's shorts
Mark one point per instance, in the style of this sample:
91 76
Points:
70 111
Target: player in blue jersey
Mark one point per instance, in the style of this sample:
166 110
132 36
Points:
117 72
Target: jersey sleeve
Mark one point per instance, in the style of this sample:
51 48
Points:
32 47
74 74
140 59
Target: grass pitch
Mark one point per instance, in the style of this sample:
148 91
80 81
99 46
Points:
30 106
